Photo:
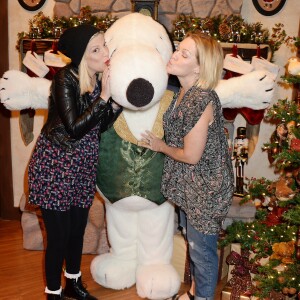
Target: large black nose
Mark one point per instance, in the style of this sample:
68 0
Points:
140 92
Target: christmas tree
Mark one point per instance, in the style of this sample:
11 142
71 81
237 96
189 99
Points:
268 266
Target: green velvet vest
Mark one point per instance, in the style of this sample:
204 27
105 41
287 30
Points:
125 168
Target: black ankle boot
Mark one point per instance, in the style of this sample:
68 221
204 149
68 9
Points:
75 290
54 297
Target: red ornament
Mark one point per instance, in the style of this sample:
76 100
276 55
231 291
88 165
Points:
295 144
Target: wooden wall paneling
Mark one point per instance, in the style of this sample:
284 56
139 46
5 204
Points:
7 209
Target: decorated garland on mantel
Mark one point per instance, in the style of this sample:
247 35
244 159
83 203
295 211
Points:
232 29
228 29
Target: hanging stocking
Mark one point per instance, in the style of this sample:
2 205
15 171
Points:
235 67
55 60
34 63
254 117
35 67
259 63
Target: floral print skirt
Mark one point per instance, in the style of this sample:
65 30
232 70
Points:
59 178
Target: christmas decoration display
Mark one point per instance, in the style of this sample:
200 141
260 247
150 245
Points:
128 273
44 27
274 235
231 29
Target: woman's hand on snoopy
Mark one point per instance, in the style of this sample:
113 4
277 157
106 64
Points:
152 142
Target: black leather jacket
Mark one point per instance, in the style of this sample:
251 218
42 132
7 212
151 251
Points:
71 115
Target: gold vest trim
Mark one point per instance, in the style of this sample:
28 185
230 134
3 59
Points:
122 128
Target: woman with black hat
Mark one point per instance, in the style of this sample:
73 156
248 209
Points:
62 169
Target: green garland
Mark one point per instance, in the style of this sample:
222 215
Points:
293 215
286 160
224 28
257 188
231 29
258 237
291 79
44 27
283 111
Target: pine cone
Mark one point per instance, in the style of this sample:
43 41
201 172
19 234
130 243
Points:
224 31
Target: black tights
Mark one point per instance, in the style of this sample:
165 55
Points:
65 231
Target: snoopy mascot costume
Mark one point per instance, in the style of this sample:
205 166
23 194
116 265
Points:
140 222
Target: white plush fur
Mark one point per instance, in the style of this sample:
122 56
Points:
140 232
132 40
254 90
19 91
141 239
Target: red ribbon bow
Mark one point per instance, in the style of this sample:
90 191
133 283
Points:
241 278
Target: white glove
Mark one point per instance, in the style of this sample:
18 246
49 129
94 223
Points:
20 91
253 90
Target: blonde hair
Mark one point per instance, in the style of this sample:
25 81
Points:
85 81
210 57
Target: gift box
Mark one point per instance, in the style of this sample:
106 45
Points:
240 273
223 266
233 247
180 256
237 248
226 293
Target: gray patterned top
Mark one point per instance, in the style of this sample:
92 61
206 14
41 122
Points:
204 191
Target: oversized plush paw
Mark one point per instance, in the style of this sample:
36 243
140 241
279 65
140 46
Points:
13 95
113 273
157 281
19 91
253 90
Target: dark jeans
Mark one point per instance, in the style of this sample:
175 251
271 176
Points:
65 231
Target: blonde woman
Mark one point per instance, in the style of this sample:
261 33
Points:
198 175
62 169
